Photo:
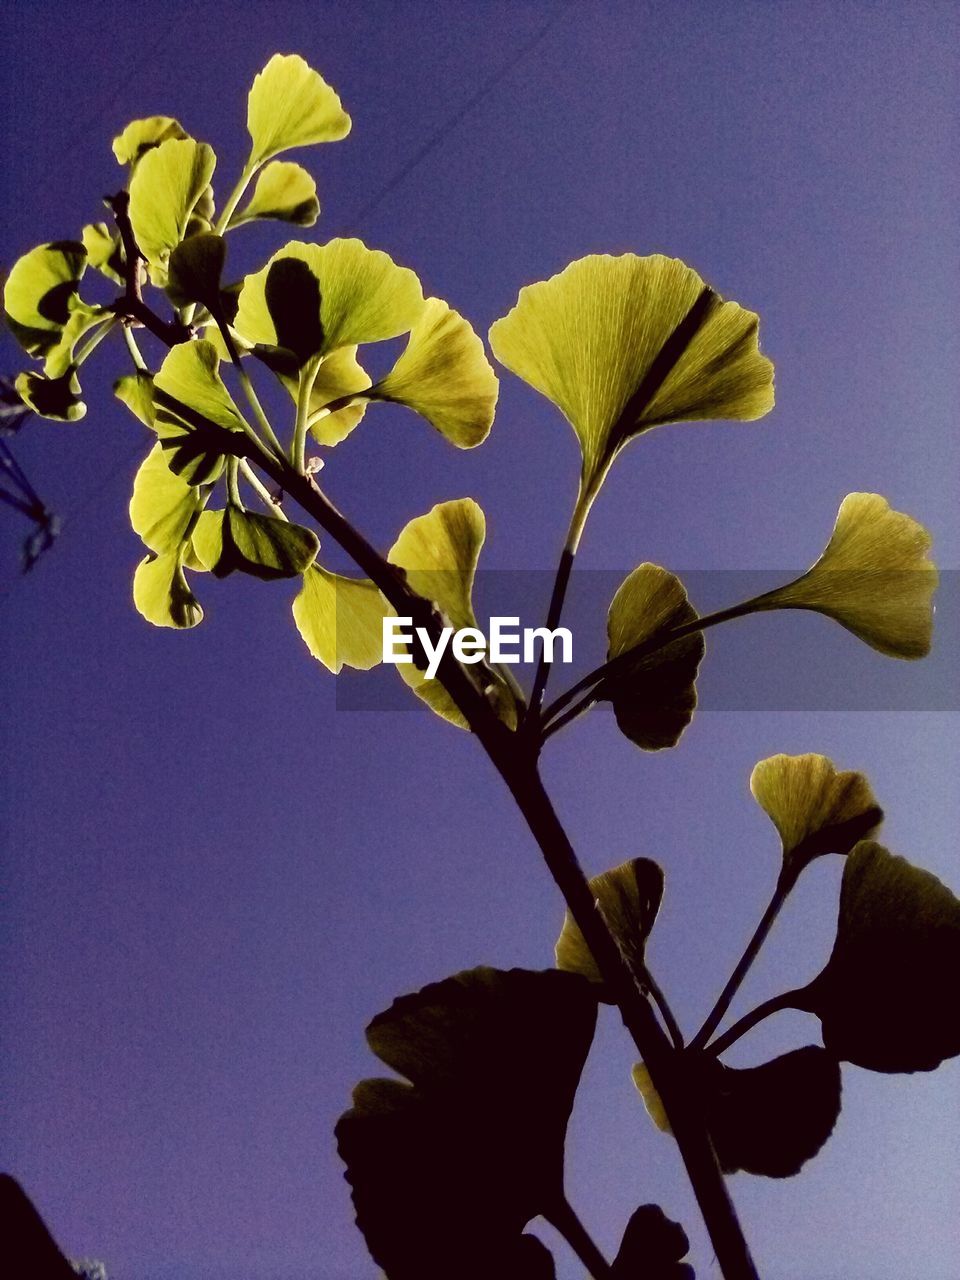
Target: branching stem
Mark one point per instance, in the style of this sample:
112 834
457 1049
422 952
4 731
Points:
563 1217
788 1000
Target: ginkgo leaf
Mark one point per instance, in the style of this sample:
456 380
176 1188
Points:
41 294
284 191
885 998
291 105
653 1248
194 271
104 250
447 1170
340 619
266 547
620 344
165 190
161 593
768 1120
55 398
163 506
339 380
629 898
141 136
444 376
815 807
874 578
439 553
190 403
655 696
312 299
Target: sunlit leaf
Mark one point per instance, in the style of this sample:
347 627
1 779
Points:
165 190
444 376
629 898
291 105
264 546
622 344
104 251
195 269
141 136
340 619
653 1248
312 299
284 191
767 1120
54 398
163 506
874 578
339 378
40 294
190 404
886 998
447 1170
815 807
161 593
439 553
654 698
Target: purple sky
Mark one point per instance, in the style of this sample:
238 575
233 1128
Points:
213 878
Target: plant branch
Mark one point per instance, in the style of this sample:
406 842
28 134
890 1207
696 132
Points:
788 1000
660 1000
131 306
564 1219
785 882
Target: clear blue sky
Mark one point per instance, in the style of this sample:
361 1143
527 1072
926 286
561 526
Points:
213 878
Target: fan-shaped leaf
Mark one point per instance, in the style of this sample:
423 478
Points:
104 251
447 1170
166 189
284 191
195 269
655 696
340 619
816 808
163 506
55 398
141 136
291 105
266 547
161 593
629 898
192 411
41 294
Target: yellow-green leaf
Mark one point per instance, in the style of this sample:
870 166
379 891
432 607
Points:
629 898
312 299
55 398
622 344
874 578
284 191
291 105
141 136
339 380
163 506
340 619
444 376
40 294
104 251
192 408
815 807
161 593
166 188
654 697
266 547
439 553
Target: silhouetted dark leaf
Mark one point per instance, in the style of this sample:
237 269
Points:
887 997
653 1248
447 1170
194 272
629 898
28 1245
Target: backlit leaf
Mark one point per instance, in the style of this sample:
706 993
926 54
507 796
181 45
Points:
886 998
653 1248
284 191
104 251
55 398
338 379
264 546
161 593
163 506
141 136
444 376
629 898
40 294
165 190
439 553
192 411
312 299
622 344
654 698
815 807
195 269
340 619
447 1170
291 105
874 578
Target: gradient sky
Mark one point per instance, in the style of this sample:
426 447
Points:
214 877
